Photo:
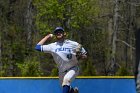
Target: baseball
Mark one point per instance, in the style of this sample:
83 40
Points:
51 35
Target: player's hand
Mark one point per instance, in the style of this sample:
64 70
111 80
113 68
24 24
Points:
81 56
78 55
50 35
47 37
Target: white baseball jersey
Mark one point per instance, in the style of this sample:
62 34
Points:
64 53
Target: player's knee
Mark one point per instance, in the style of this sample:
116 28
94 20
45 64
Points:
66 81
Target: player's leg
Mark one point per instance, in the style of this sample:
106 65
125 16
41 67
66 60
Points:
65 88
75 89
67 78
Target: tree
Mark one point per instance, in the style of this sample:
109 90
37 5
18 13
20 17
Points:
68 14
105 28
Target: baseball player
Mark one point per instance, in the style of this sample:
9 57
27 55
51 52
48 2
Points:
65 53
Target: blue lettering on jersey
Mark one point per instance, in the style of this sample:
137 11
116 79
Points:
63 49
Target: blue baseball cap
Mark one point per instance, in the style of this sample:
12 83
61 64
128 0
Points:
58 29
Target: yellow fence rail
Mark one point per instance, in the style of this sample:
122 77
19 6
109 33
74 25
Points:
80 77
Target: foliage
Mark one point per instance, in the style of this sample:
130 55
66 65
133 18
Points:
54 72
30 68
123 71
67 13
88 68
90 22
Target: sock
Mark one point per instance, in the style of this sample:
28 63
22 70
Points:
66 89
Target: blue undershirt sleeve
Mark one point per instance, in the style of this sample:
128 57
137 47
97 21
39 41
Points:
38 48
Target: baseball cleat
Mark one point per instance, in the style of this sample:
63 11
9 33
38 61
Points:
76 90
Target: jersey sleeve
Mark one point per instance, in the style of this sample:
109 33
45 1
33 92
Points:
46 48
43 48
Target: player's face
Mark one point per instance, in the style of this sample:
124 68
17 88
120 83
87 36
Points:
59 34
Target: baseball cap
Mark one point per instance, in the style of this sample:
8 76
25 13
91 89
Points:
58 29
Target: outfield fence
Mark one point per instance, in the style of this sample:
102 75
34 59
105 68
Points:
86 84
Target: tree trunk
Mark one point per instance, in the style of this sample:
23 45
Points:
137 65
28 24
0 52
114 38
